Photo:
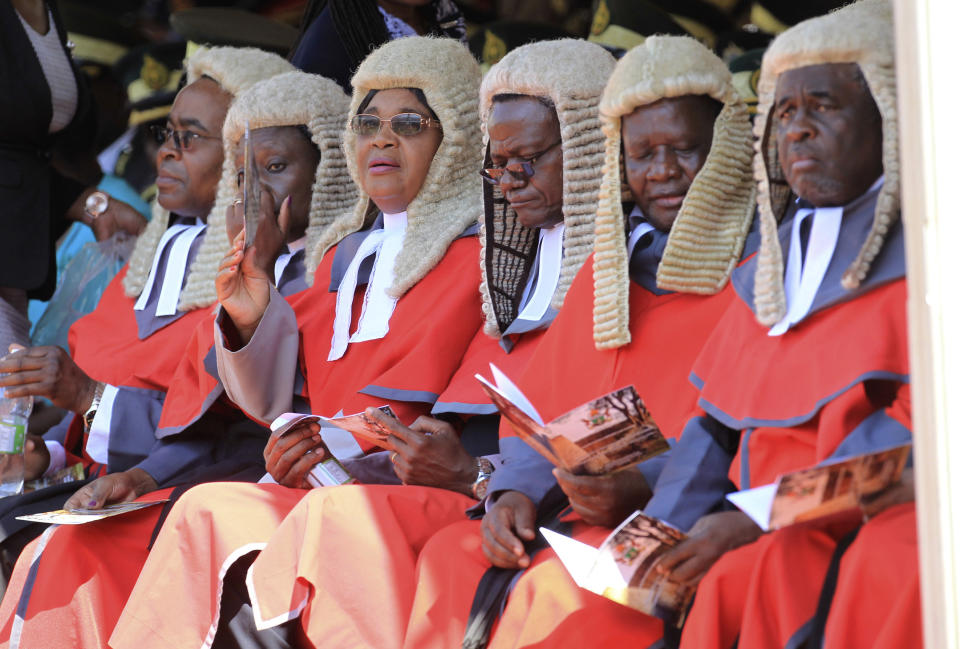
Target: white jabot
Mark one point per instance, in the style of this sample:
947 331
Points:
283 260
98 440
549 258
805 273
175 270
377 304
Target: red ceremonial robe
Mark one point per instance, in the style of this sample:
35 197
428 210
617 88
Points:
766 591
430 329
105 344
289 578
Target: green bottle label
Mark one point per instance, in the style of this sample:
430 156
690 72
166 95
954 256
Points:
12 435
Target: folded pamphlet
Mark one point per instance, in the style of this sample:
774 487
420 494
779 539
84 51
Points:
624 568
611 432
330 472
82 516
830 490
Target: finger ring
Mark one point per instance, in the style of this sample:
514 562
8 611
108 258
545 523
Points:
308 451
237 202
393 457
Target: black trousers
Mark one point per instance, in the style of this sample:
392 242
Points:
237 629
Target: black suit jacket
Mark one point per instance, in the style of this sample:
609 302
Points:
33 196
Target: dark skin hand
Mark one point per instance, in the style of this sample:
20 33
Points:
290 457
36 457
506 526
896 494
605 500
245 276
711 537
119 217
47 372
111 489
428 453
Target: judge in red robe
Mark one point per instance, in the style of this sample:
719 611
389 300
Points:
827 372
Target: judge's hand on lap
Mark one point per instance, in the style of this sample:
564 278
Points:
428 453
711 537
245 276
508 523
607 499
36 457
46 372
112 489
898 493
291 456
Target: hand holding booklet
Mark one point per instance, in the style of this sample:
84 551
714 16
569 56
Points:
829 490
330 472
624 568
610 432
82 516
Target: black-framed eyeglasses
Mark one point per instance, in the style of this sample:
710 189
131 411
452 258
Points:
522 171
182 140
403 124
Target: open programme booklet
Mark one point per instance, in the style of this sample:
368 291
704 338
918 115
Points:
833 489
624 567
82 516
610 432
331 472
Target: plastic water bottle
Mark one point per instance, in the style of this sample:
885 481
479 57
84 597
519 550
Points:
13 432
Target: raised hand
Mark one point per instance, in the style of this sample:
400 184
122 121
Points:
506 526
245 276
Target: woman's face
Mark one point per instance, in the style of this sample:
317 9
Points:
392 168
187 177
287 165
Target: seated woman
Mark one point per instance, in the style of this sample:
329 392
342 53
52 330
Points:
415 155
78 591
125 352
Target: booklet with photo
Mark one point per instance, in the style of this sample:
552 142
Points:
330 472
82 516
611 432
833 489
625 567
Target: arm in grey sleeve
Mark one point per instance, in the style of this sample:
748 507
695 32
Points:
522 469
260 376
173 456
133 423
694 481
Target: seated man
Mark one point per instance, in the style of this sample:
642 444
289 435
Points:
827 371
636 315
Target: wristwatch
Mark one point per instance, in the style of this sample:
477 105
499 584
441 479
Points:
96 204
94 405
485 469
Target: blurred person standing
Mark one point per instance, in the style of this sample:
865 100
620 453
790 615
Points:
45 110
